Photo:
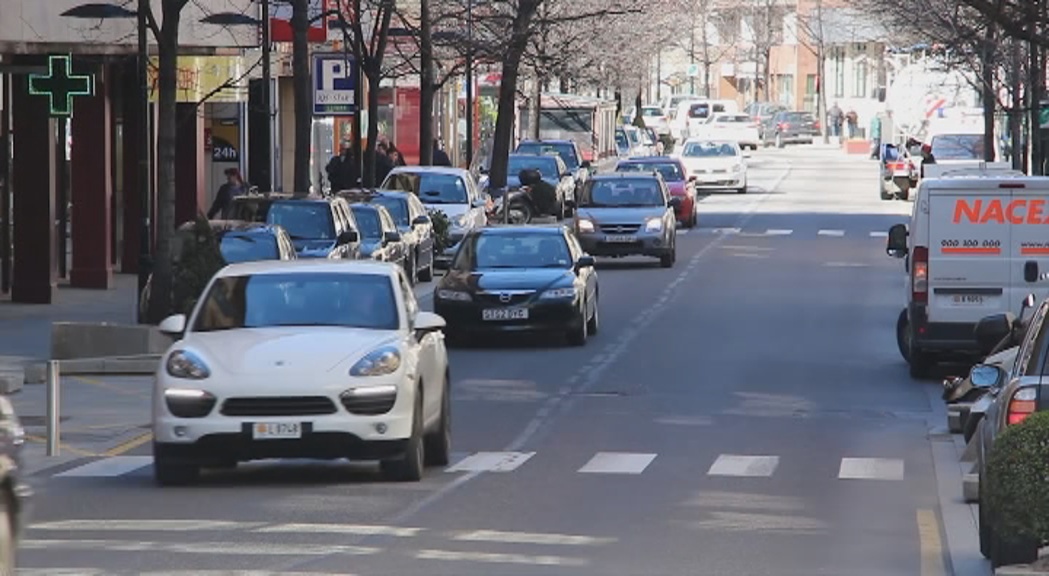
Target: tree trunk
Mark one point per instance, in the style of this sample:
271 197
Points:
987 94
1015 117
1034 104
821 97
300 24
427 89
537 106
506 111
167 125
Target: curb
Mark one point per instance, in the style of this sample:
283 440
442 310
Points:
144 364
1019 571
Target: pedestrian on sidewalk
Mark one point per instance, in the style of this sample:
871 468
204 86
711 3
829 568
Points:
234 186
342 170
835 118
383 165
875 136
440 157
396 158
852 120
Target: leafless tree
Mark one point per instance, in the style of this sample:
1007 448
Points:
814 38
709 39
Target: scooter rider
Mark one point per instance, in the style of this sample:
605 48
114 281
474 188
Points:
544 196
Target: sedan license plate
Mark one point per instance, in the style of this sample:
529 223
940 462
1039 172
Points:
498 314
620 239
276 430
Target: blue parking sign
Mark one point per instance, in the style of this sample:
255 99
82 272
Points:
334 84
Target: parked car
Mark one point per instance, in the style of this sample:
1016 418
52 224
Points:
15 492
633 142
676 177
452 191
238 241
380 239
761 112
730 126
553 171
520 278
715 164
654 118
790 128
319 226
568 150
412 220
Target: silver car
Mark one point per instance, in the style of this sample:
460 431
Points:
628 214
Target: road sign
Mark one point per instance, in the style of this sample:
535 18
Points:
60 85
334 84
693 70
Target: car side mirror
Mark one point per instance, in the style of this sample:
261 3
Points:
896 246
986 376
348 237
421 220
428 322
675 202
388 237
482 170
586 261
692 178
173 325
585 164
991 330
480 202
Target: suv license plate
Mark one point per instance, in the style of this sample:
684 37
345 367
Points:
619 239
276 430
496 314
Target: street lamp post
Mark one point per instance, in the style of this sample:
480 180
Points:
469 84
267 99
145 164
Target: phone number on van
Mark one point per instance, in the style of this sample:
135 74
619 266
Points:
971 246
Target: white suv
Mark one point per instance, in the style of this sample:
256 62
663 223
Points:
303 359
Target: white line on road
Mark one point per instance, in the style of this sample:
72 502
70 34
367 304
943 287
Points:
493 558
203 548
617 463
145 525
776 232
752 466
357 529
835 233
846 265
682 231
492 462
870 469
531 538
877 234
108 467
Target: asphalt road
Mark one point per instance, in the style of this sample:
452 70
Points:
743 413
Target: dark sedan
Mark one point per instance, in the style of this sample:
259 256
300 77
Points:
790 128
380 239
520 278
412 220
15 493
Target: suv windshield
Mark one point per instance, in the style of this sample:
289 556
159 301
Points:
367 222
670 171
430 187
565 151
708 150
523 250
546 166
240 247
303 220
397 208
623 192
298 299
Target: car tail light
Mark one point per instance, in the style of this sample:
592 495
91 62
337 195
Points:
782 125
1022 405
816 124
920 274
898 166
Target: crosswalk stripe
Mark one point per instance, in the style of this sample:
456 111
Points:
877 234
108 467
203 548
871 469
354 529
682 231
737 465
531 538
778 232
617 463
835 233
145 525
491 462
98 572
496 558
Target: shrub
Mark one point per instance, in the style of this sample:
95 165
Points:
441 227
199 260
1018 481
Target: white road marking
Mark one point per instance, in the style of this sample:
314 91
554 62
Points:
531 538
877 234
682 231
108 467
846 265
145 525
203 548
735 465
725 521
871 469
617 463
492 558
747 248
835 233
356 529
778 232
491 462
749 255
237 573
727 230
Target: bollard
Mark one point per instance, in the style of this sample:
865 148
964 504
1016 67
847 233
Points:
54 411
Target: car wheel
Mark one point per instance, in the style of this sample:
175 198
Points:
427 274
410 271
779 141
742 190
577 336
409 467
8 546
438 449
667 260
168 472
902 339
593 326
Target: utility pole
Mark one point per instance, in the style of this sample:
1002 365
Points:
267 100
145 151
469 85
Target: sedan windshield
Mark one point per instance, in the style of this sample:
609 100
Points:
670 171
632 192
522 250
367 222
248 247
303 220
545 165
298 299
430 187
397 208
708 150
565 151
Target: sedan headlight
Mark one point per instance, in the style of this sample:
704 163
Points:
559 293
584 225
462 221
654 225
737 168
454 295
185 364
378 362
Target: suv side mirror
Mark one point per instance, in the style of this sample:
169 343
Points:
388 237
986 375
991 330
421 220
586 261
675 202
896 246
348 237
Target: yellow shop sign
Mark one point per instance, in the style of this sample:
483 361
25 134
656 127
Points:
215 78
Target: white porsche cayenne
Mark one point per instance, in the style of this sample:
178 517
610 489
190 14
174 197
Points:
303 359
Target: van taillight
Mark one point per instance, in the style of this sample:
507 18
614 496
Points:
1022 405
920 274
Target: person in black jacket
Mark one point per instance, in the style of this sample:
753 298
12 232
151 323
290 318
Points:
233 187
440 157
543 194
343 172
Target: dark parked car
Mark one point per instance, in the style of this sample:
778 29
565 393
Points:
380 239
520 278
412 220
238 242
319 226
15 493
790 128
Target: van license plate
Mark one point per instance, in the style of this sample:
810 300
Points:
967 300
276 430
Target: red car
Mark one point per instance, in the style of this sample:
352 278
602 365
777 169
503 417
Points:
676 177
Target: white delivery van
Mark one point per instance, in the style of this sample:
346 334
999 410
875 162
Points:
977 244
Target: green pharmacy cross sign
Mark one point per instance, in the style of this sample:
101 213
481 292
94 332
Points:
60 85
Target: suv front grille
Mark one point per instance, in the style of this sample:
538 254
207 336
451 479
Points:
279 406
620 228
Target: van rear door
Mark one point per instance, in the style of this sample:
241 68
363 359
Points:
968 268
1028 212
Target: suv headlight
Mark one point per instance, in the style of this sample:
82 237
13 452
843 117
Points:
462 221
378 362
556 293
654 225
454 295
584 225
186 364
